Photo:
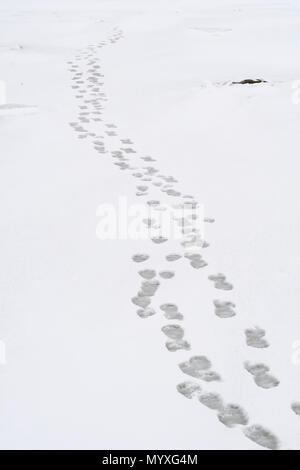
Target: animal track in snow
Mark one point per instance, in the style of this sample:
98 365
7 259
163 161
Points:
266 381
256 369
210 376
188 389
173 331
174 346
173 257
147 273
232 414
176 334
158 240
220 281
128 150
167 274
141 301
261 376
197 366
140 257
211 400
142 188
171 312
255 338
261 436
148 159
145 312
224 309
149 287
196 260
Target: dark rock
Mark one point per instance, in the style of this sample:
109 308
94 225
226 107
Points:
249 81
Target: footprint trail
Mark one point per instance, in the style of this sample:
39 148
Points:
162 192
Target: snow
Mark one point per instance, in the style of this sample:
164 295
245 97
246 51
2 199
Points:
82 369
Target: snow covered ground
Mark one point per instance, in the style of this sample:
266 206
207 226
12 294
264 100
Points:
82 369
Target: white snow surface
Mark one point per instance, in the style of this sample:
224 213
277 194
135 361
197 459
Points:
82 369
